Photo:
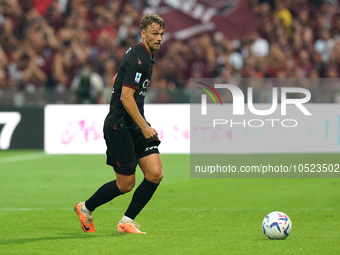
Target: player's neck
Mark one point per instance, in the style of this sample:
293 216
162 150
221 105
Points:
148 48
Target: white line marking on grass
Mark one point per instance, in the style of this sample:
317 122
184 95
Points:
171 209
239 209
52 209
35 209
25 157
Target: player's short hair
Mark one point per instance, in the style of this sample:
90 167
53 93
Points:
148 19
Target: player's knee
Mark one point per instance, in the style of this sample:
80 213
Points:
159 177
156 176
126 187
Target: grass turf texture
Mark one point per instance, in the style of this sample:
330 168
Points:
185 216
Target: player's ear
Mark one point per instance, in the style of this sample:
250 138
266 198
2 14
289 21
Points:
143 33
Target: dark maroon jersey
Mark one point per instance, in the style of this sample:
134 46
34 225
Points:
135 72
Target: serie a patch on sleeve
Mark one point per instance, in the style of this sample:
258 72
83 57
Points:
138 76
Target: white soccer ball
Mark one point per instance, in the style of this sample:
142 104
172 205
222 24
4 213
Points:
277 225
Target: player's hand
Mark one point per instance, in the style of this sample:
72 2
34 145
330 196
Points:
149 132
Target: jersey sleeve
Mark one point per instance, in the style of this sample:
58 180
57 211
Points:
133 72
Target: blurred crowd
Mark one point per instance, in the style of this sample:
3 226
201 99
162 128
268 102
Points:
67 51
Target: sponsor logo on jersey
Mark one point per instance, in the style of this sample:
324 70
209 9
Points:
138 76
146 84
142 93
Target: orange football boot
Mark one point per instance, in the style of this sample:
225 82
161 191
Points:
129 227
86 221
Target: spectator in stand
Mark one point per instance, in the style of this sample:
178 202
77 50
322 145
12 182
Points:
87 86
55 14
283 13
335 29
110 71
15 68
64 66
305 64
324 46
3 74
8 39
259 46
33 77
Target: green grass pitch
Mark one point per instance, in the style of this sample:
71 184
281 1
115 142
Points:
185 216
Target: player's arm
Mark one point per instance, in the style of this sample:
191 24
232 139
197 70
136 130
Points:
129 103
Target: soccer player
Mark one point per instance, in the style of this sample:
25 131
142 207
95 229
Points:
129 138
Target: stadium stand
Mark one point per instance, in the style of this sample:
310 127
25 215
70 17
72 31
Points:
45 44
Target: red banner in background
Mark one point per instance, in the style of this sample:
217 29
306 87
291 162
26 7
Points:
190 18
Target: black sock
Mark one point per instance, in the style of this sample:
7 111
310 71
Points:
104 194
140 198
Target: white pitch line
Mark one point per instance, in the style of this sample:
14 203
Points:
25 157
51 209
171 209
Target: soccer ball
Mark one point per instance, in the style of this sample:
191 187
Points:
276 225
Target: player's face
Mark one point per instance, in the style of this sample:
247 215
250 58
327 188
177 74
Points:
153 37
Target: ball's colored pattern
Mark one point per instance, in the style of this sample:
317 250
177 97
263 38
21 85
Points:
277 225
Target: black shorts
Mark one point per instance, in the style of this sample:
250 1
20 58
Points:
125 148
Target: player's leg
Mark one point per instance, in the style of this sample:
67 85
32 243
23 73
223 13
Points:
125 183
151 166
124 166
110 190
106 193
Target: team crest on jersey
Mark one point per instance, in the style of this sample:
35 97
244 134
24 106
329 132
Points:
138 76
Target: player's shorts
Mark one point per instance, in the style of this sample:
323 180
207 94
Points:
125 148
